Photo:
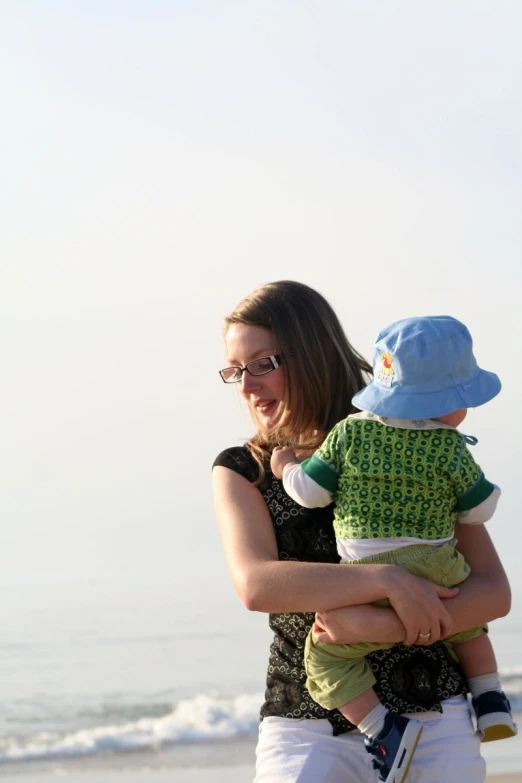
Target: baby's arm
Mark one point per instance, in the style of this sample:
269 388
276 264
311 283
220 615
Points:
303 489
281 457
297 484
312 483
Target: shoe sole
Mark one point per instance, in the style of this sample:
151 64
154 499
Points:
497 726
497 733
410 740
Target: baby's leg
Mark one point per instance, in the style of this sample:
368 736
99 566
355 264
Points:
492 708
339 677
393 739
477 657
357 709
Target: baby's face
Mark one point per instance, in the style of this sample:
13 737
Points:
455 418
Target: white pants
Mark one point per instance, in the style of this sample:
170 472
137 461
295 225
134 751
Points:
306 751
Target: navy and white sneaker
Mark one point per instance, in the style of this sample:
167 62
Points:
494 718
394 747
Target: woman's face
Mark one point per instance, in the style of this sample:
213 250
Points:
263 393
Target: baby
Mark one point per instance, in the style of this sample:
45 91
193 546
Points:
401 475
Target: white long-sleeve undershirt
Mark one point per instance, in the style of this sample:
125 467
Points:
303 489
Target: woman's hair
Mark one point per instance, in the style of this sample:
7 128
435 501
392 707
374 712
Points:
322 370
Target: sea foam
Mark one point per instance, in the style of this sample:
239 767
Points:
203 718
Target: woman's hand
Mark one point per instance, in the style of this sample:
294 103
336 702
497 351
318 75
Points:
356 624
281 457
419 607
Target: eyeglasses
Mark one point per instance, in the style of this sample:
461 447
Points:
256 367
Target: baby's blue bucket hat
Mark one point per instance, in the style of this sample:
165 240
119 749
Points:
425 368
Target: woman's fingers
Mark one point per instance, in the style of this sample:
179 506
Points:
425 638
446 592
320 634
420 609
445 620
431 629
321 618
412 634
319 629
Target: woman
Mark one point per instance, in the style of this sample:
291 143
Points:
297 372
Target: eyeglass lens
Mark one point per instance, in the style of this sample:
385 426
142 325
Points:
255 367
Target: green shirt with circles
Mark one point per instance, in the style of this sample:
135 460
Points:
390 482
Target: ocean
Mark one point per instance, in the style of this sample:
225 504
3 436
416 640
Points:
179 684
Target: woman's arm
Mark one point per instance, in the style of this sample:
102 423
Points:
483 597
266 584
355 624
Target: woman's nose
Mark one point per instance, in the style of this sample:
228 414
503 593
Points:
248 382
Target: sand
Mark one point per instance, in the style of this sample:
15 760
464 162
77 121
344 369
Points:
240 774
199 763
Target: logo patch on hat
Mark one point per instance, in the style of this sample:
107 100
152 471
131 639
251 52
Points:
385 374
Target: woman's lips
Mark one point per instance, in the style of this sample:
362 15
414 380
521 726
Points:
265 406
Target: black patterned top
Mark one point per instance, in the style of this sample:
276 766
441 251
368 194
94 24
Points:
409 679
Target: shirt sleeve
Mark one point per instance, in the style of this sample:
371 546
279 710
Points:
472 486
325 465
303 489
481 513
240 460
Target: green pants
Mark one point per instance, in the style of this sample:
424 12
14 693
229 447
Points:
337 673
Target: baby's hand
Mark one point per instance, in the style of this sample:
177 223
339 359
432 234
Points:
282 456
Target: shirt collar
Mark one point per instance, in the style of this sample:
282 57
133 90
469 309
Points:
403 424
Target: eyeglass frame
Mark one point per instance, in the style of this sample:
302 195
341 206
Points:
275 361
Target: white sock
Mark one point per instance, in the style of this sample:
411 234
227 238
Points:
483 683
373 723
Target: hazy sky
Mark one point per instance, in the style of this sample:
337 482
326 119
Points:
160 160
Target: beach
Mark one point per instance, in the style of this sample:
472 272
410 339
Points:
165 162
147 774
224 775
201 763
111 695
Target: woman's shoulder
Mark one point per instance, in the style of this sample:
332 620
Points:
240 460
